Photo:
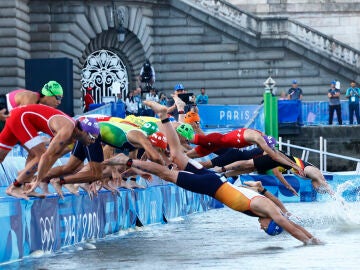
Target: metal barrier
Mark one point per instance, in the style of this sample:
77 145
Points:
323 154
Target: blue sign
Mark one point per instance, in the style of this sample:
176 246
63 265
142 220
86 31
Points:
235 116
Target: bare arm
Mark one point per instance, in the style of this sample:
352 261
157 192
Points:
279 157
139 140
70 167
92 171
53 152
145 166
282 179
266 208
3 115
64 131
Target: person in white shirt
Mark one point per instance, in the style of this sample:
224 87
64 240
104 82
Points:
131 104
151 96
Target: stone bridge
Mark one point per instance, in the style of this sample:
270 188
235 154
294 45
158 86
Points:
200 43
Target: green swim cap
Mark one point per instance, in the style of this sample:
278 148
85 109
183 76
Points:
186 130
150 128
52 88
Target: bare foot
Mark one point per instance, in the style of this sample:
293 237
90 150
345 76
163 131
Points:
161 110
72 189
93 189
110 188
179 103
133 185
30 187
84 186
16 192
44 187
56 184
36 195
135 171
87 187
125 184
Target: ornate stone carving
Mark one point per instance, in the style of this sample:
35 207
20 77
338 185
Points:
101 69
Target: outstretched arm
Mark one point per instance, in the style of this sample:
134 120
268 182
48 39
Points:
274 153
282 179
138 139
145 166
265 208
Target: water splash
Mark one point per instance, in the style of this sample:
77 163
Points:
346 213
338 212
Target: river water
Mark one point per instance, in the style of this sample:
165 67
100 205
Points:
219 239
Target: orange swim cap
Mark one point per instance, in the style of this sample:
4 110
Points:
192 117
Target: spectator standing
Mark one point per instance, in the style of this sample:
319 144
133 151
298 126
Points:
131 105
119 97
295 92
152 96
120 106
88 99
334 103
202 98
352 93
147 75
163 99
138 100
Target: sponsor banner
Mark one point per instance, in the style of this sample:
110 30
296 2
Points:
111 204
289 111
234 116
126 207
149 205
52 223
11 233
172 196
80 219
42 221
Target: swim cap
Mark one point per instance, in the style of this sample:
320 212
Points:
150 127
192 117
52 88
178 87
135 120
186 131
271 142
273 229
158 139
98 117
89 125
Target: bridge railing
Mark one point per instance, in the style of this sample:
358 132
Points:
322 152
280 27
